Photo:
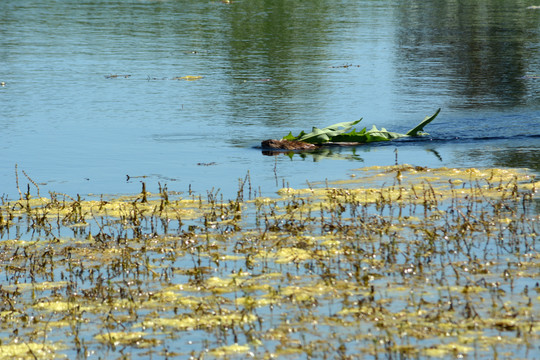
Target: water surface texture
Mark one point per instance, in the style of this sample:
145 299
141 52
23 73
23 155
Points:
267 67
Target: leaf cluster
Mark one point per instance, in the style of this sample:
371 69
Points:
344 132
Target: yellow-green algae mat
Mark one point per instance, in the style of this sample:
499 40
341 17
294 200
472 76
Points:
398 262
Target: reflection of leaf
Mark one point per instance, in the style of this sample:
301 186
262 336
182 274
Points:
328 153
331 152
436 153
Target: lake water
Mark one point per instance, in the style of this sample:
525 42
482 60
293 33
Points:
97 96
267 68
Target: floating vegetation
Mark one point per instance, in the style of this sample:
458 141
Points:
188 77
344 133
127 76
399 262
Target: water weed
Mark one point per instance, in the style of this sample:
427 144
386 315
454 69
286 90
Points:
398 262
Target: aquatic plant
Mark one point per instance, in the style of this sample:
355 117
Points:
398 262
344 132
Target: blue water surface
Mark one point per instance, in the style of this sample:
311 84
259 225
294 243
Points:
267 68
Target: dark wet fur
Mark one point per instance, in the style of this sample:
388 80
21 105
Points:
287 145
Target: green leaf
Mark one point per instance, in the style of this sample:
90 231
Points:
384 134
318 136
290 136
352 136
344 132
418 128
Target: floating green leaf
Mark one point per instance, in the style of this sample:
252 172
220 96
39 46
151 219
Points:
417 130
344 132
318 136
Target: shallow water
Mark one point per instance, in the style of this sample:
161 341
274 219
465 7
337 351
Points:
267 68
419 268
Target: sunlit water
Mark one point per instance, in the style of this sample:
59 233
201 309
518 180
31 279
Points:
267 68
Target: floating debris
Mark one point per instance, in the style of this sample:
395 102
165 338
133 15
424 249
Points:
188 77
346 66
342 134
116 76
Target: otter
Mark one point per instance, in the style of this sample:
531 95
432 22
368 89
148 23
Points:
287 145
273 144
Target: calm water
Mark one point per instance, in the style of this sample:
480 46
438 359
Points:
267 67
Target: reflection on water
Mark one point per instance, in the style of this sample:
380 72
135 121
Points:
481 51
266 68
112 96
324 153
505 153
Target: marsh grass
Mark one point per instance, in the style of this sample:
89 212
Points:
400 262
